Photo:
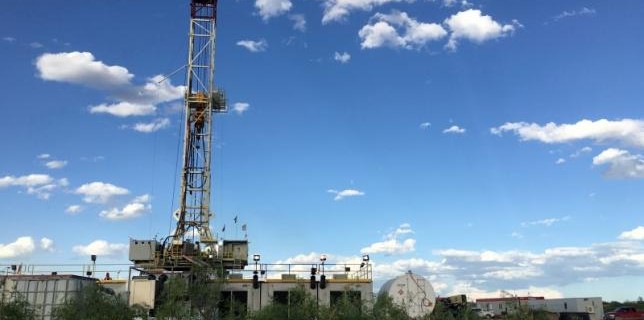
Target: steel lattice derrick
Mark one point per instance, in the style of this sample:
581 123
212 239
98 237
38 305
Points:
201 100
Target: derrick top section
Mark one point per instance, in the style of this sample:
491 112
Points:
203 9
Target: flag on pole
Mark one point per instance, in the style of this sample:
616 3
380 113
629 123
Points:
244 227
235 219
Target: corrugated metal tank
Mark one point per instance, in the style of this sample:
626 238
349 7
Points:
412 292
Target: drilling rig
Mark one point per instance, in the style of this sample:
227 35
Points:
192 243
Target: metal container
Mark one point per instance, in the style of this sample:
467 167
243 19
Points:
412 292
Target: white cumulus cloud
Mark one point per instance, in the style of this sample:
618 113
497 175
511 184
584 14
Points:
135 208
455 130
424 125
124 109
472 25
398 30
82 68
100 192
629 132
31 180
254 46
299 22
23 246
339 195
47 244
393 244
241 107
338 10
101 248
343 57
74 209
621 164
635 234
41 185
272 8
155 125
56 164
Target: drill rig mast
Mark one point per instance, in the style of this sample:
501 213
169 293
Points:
201 100
192 241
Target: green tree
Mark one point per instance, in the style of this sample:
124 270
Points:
173 303
94 303
16 309
301 306
525 313
384 308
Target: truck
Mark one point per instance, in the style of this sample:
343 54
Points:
624 313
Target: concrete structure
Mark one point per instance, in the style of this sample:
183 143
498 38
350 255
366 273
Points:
580 308
43 292
142 292
412 292
241 291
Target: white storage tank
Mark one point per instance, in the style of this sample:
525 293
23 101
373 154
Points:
412 292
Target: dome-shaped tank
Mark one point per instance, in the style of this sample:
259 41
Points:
412 292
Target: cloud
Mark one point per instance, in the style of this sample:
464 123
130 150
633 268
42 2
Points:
573 13
56 164
338 10
9 39
135 208
100 192
155 125
31 180
556 266
47 244
254 46
240 107
635 234
628 132
44 156
516 235
398 30
392 243
455 130
343 57
580 152
424 125
621 164
124 109
560 161
102 248
36 45
81 68
339 195
272 8
23 246
74 209
472 25
545 222
451 3
41 185
299 22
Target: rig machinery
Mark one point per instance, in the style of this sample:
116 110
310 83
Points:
193 243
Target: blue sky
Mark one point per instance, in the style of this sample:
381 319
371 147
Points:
486 145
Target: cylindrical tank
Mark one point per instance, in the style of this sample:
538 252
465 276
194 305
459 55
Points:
412 292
